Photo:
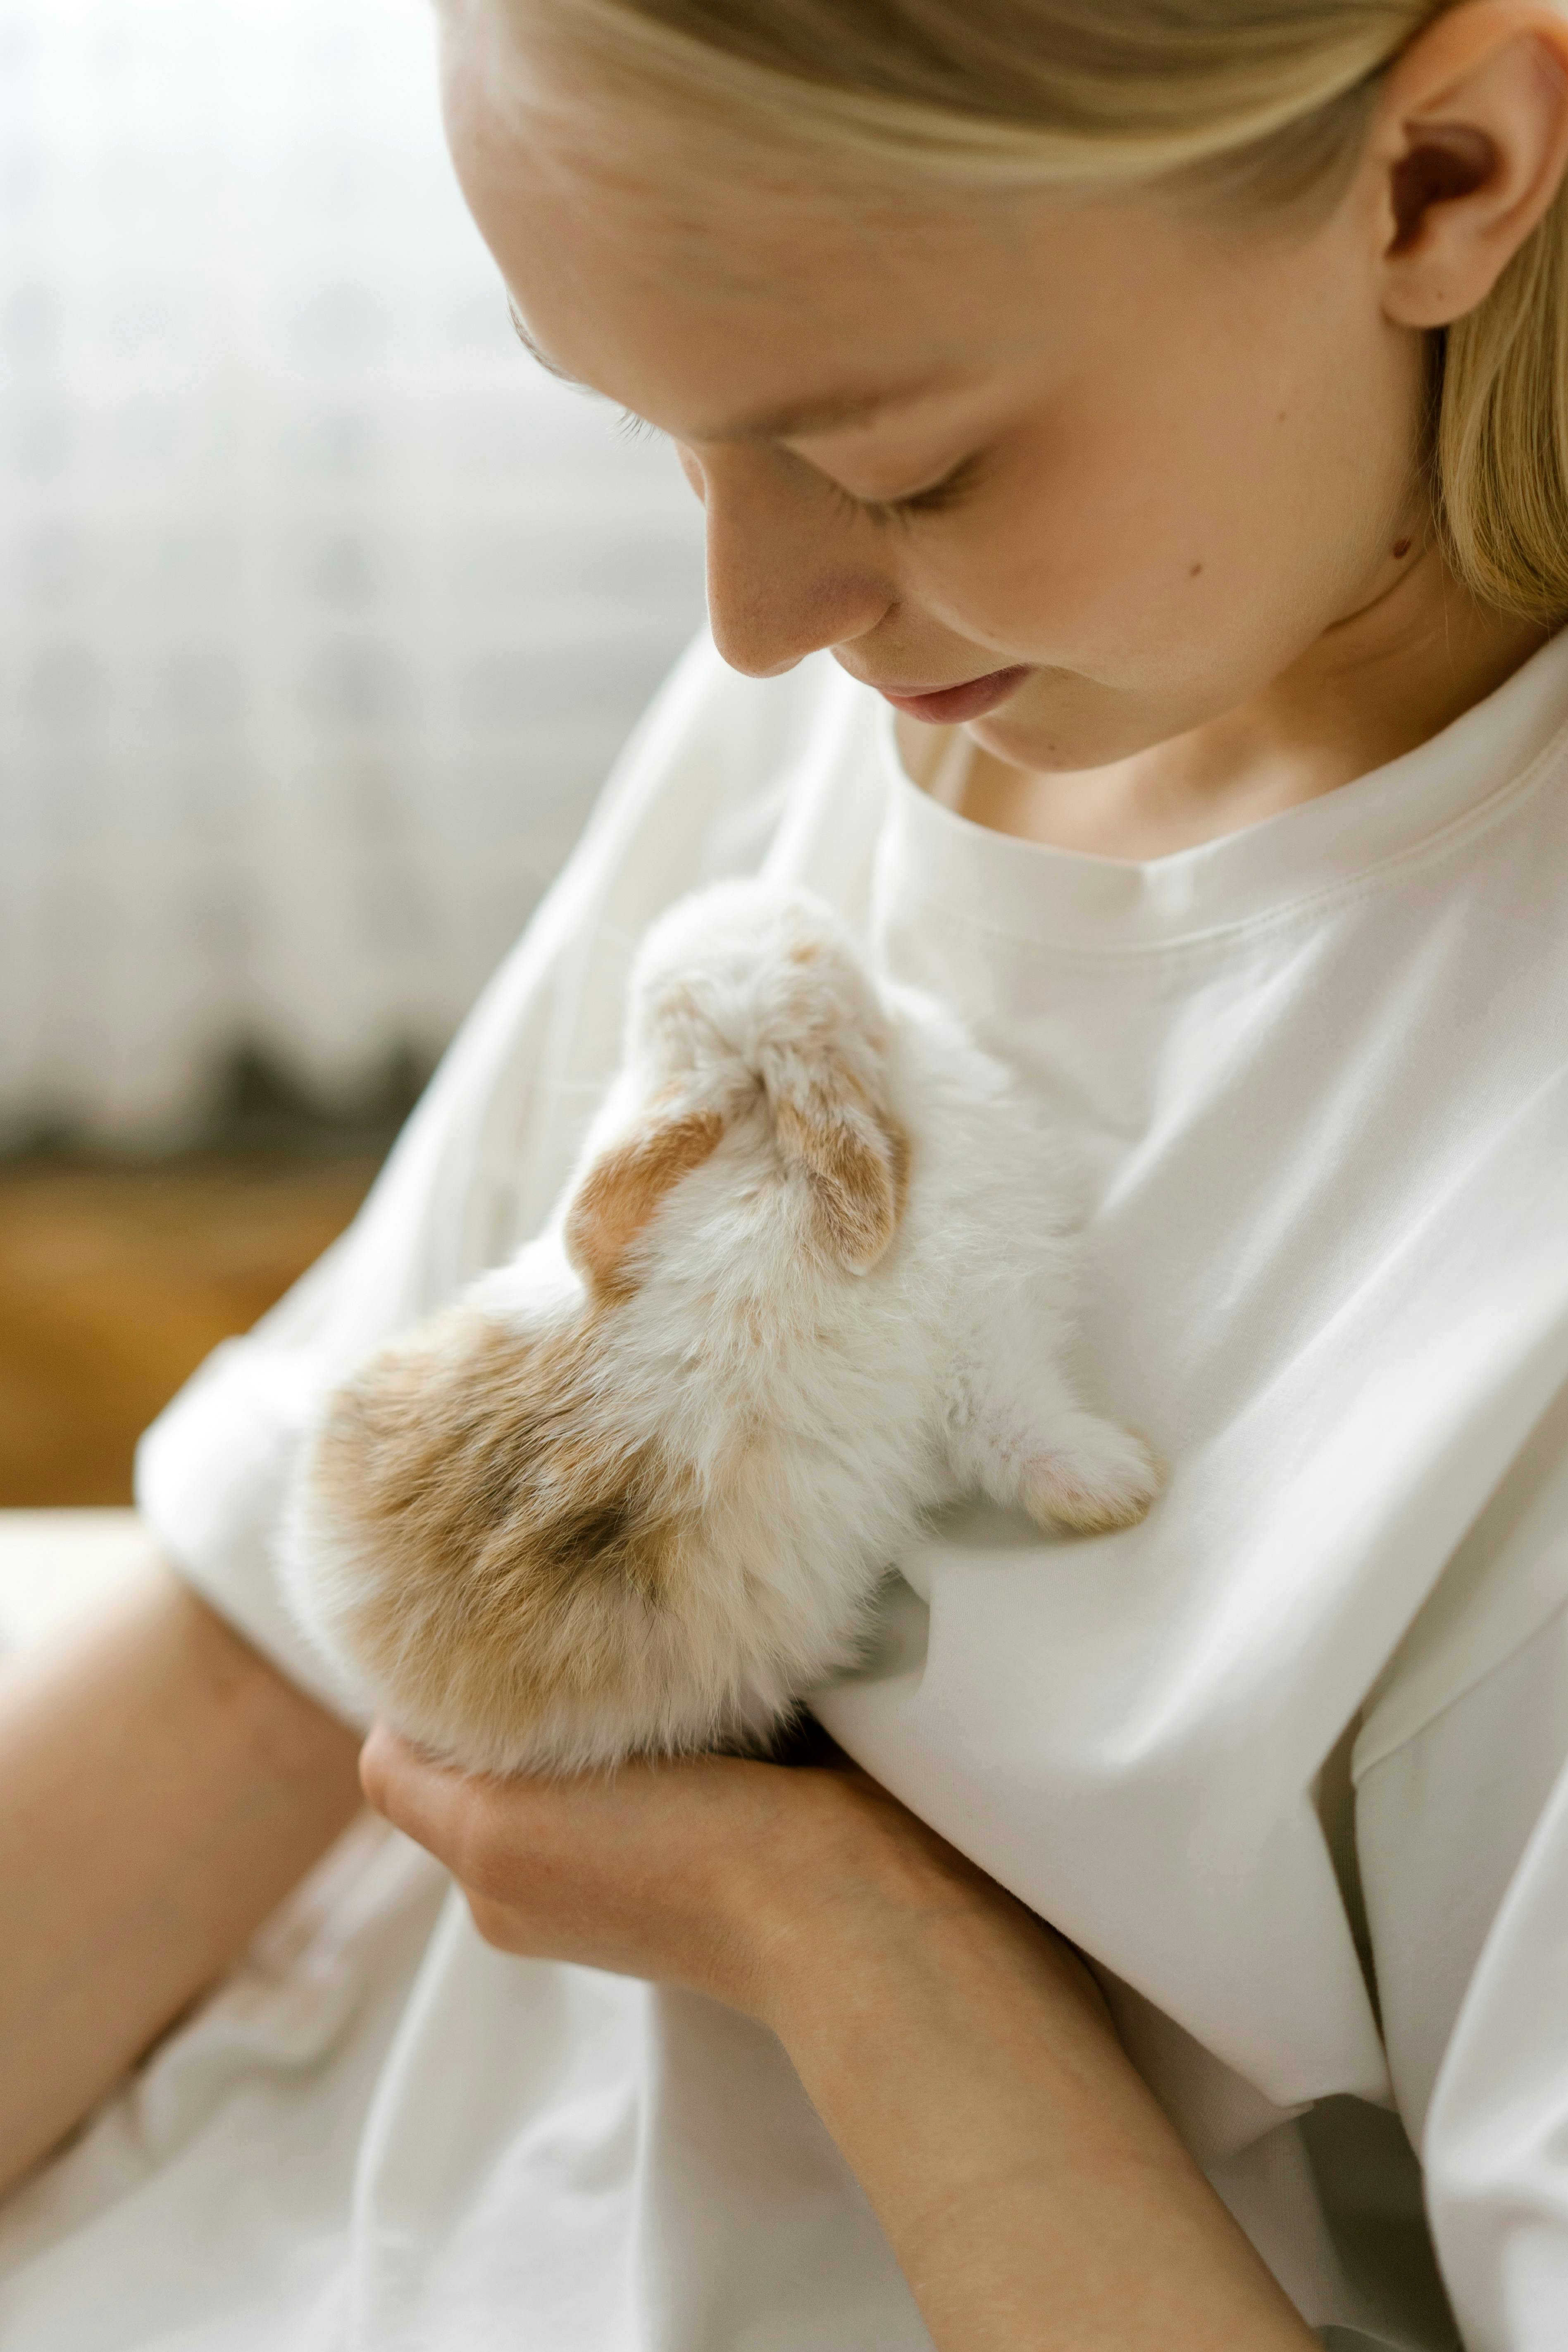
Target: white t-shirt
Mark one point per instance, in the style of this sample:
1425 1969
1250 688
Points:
1286 1761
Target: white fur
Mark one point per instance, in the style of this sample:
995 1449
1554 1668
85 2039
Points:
819 1409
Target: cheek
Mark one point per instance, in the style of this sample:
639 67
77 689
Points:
1110 548
1223 487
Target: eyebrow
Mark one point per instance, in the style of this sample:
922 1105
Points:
794 420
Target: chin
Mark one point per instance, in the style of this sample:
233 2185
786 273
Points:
1060 723
1036 744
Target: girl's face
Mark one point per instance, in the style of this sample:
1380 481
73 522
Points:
1082 473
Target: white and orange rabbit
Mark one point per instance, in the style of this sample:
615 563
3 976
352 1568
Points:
637 1488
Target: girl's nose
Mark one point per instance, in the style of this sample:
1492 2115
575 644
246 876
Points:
789 570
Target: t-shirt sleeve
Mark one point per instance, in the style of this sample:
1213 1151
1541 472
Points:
1463 1832
1462 1838
698 794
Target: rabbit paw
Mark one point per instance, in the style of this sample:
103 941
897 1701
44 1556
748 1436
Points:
1097 1477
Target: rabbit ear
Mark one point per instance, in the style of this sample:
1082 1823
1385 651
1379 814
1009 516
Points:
618 1197
855 1159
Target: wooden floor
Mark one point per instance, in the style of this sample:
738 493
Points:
116 1281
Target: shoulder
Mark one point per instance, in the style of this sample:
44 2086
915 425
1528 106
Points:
723 776
714 738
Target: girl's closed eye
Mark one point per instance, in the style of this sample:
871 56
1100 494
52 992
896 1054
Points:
947 492
932 500
935 498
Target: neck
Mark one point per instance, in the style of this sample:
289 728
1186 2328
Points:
1376 685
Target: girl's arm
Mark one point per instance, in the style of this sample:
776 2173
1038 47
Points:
1031 2189
1036 2197
164 1789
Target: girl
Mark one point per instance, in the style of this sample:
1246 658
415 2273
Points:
1134 443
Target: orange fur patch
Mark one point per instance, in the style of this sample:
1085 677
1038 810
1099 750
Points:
859 1191
518 1562
620 1193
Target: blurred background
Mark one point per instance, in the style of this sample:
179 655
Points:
323 613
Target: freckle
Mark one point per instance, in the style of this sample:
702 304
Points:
1282 415
1402 547
1194 569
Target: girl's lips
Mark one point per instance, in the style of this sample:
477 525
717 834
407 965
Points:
952 705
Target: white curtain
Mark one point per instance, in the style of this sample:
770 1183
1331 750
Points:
322 609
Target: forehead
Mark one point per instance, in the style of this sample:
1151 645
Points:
645 260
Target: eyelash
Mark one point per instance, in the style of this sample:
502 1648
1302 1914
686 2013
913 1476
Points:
935 498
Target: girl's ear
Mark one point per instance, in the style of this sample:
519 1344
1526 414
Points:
1472 136
618 1195
854 1156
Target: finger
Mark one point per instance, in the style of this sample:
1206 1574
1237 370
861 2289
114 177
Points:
415 1796
484 1829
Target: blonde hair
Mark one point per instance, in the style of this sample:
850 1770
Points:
1267 95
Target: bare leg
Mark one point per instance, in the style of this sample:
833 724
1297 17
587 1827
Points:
166 1788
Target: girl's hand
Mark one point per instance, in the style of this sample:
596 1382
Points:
717 1873
956 2048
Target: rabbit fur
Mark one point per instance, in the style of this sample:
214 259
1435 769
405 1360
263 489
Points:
637 1490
